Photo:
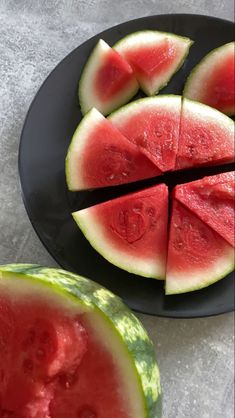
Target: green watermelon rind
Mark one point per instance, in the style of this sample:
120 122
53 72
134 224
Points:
82 87
197 68
190 42
130 332
192 288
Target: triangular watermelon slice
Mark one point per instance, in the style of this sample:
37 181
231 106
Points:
153 124
212 200
212 81
107 80
71 349
154 56
130 231
197 255
206 136
99 156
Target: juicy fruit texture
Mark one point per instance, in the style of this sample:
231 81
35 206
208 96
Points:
130 231
99 155
212 81
197 255
107 81
154 56
153 124
212 200
206 136
70 347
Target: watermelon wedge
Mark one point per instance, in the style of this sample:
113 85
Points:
212 200
99 155
154 56
107 80
197 255
130 231
206 136
153 124
70 348
212 81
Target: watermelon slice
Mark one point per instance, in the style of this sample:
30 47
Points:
130 231
212 200
70 348
197 255
206 136
99 155
107 81
154 56
212 81
153 124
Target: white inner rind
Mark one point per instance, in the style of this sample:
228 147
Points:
154 38
95 233
102 330
74 159
197 82
181 282
87 94
167 103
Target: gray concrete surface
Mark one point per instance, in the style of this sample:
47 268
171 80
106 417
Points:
195 356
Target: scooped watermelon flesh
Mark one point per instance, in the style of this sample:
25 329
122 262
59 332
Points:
206 136
107 80
130 231
60 354
153 125
154 57
99 155
212 200
197 255
212 81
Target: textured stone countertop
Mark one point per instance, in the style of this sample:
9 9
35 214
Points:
195 356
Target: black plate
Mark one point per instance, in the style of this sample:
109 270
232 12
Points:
48 128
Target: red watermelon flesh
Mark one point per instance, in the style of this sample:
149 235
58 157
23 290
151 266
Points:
51 363
220 90
206 136
153 125
114 74
212 200
197 255
130 231
100 156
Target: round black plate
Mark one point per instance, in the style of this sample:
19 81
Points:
48 128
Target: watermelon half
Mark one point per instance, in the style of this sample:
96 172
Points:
197 255
70 348
130 231
107 80
153 124
206 136
99 155
212 81
212 200
154 56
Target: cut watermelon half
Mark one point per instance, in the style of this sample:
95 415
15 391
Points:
153 124
206 136
212 81
154 56
197 255
99 155
212 200
69 346
107 81
130 231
